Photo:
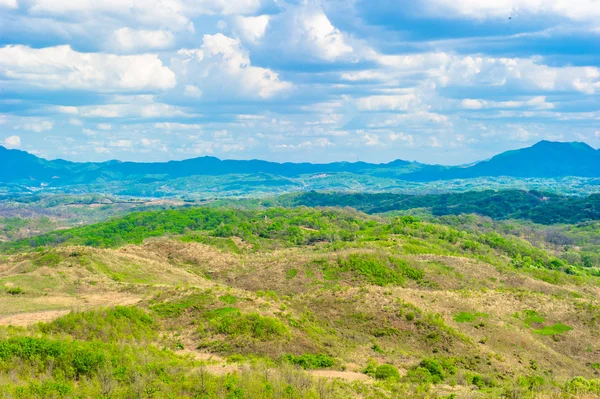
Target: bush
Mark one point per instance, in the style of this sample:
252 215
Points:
310 361
71 359
432 370
387 372
231 321
15 291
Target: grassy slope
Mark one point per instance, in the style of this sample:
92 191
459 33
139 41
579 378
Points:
453 312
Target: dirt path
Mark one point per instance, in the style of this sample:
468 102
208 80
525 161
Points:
342 375
27 319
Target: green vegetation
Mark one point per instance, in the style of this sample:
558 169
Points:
539 207
300 302
387 372
310 361
467 317
553 329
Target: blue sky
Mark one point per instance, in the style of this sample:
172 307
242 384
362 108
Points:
437 81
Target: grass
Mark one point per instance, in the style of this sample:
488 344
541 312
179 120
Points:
554 329
468 317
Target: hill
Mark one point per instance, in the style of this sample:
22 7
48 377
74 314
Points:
293 303
539 207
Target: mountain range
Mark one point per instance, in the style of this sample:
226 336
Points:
543 160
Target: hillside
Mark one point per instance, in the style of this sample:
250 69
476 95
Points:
294 303
539 207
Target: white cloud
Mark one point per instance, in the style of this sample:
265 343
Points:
61 67
222 66
75 122
520 134
469 103
434 142
580 10
104 126
9 4
321 142
154 144
309 32
192 91
446 69
128 40
12 142
90 132
538 102
37 127
250 117
177 126
250 28
170 13
370 139
101 150
407 138
387 103
120 143
143 106
65 109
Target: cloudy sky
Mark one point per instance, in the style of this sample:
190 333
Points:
438 81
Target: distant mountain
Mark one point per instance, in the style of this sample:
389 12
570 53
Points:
544 159
22 167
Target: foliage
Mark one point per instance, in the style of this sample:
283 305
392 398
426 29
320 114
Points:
387 372
310 361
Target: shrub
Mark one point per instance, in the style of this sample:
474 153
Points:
71 359
231 321
387 372
310 361
15 291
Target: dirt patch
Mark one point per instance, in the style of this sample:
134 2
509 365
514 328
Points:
27 319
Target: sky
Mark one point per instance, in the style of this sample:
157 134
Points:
436 81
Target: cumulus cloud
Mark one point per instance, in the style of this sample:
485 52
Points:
129 40
222 65
61 67
12 142
250 28
309 32
447 69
